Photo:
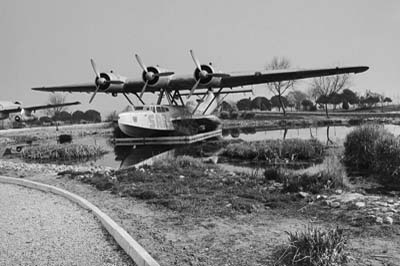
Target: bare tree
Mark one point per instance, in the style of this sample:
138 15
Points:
56 98
280 87
325 87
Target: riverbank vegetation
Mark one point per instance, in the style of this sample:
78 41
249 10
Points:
61 152
373 149
276 150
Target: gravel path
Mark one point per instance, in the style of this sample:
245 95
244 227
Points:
38 228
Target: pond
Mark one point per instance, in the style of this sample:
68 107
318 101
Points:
127 156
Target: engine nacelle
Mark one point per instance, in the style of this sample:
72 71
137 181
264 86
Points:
110 76
208 80
25 116
156 80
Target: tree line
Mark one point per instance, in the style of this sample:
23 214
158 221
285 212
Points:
77 116
311 101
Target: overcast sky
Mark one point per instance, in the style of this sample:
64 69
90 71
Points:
50 42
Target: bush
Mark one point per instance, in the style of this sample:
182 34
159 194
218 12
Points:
224 115
314 246
329 175
272 173
62 152
248 115
233 115
387 157
359 146
65 138
271 150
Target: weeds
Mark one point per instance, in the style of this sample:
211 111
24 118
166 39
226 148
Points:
315 247
359 146
65 152
276 150
373 148
187 185
328 175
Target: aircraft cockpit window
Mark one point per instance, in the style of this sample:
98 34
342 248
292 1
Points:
166 109
139 108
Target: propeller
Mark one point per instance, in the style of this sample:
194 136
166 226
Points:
203 74
101 81
149 74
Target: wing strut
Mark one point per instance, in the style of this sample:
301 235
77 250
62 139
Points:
140 99
213 99
127 98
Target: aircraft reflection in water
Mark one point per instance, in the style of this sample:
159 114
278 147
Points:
147 155
142 155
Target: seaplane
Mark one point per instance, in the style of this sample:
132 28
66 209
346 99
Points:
25 114
176 117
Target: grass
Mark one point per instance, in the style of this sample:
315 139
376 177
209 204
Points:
187 185
61 152
313 247
276 150
374 149
329 175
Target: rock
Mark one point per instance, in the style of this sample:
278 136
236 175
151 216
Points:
380 203
322 197
388 220
212 159
338 191
360 204
379 220
304 194
335 204
347 197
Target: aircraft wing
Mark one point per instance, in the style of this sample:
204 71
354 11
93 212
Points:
229 80
84 87
47 106
281 75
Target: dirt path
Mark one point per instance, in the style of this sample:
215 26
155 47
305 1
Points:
39 228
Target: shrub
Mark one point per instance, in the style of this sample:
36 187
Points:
271 150
387 157
328 175
233 115
314 246
359 146
65 138
272 173
63 152
248 115
224 115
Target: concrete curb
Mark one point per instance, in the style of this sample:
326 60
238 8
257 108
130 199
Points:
131 247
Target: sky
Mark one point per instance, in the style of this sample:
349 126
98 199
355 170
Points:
50 42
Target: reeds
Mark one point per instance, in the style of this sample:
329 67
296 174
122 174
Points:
313 247
62 152
275 150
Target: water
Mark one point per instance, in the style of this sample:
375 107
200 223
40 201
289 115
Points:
126 156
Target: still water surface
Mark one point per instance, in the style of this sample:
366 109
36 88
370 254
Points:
126 156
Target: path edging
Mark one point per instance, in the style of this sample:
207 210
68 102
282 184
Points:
138 254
